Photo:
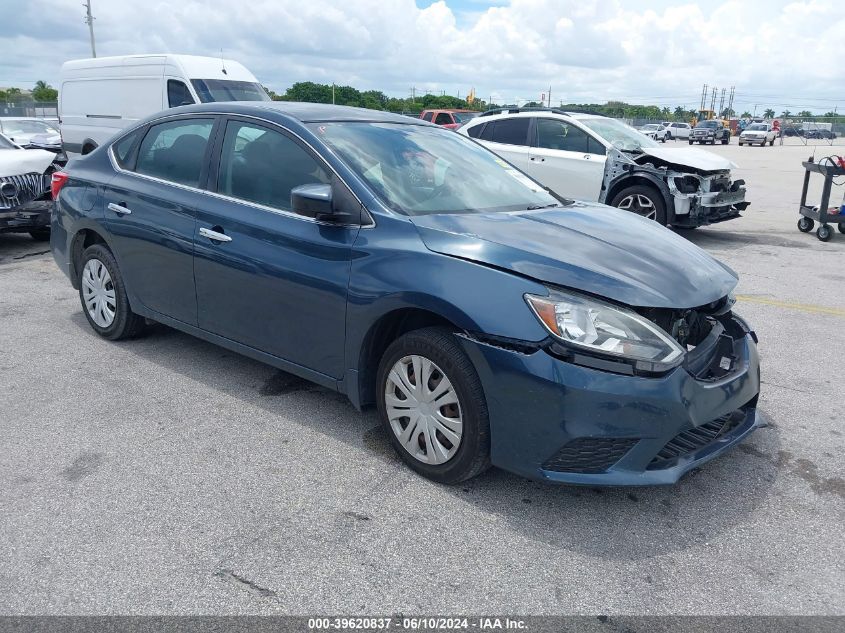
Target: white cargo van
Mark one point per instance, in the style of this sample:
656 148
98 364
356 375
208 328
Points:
99 97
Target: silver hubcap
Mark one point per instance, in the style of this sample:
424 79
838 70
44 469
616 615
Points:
423 410
640 205
98 293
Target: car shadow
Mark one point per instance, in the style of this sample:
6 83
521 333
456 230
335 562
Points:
610 523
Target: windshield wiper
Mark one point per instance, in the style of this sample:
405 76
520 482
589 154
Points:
543 206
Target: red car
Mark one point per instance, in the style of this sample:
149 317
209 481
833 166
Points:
451 119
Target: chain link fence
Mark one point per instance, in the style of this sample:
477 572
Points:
24 108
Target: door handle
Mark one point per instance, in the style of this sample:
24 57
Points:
214 236
540 158
587 156
119 208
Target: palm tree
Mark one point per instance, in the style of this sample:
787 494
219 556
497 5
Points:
785 114
680 114
769 113
746 115
41 84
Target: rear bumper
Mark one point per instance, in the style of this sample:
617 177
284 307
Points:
26 217
556 421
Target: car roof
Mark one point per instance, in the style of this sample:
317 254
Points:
301 111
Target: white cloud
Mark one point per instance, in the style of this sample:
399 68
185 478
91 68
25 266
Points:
774 52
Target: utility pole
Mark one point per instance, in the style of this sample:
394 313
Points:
550 96
90 20
332 93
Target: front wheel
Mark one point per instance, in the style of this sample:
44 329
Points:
772 142
726 140
103 295
642 200
691 142
432 406
805 224
824 233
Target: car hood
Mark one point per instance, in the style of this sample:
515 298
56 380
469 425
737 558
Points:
690 157
588 247
14 162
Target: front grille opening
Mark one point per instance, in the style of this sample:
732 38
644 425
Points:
691 440
589 454
688 327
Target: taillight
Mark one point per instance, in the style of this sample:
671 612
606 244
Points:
57 182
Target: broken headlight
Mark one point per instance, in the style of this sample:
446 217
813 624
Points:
687 184
594 326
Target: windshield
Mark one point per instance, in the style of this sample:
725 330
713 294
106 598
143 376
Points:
23 126
226 90
650 126
420 170
6 143
757 126
618 134
463 117
708 124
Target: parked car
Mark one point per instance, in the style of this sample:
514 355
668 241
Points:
758 134
25 202
678 130
99 97
710 132
654 131
408 267
451 119
595 158
30 132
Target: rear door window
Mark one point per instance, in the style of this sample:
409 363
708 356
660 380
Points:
427 116
175 151
443 118
507 131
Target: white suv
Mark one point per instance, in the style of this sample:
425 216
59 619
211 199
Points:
592 157
677 130
755 133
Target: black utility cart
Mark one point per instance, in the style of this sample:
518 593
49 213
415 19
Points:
810 215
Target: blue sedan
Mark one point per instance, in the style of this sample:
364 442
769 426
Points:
489 321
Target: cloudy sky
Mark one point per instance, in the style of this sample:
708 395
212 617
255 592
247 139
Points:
776 52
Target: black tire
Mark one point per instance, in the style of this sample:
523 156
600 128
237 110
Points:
841 227
725 140
691 142
824 233
126 323
441 347
668 136
805 224
651 193
739 143
40 235
772 142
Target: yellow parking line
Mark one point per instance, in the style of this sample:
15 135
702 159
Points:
803 307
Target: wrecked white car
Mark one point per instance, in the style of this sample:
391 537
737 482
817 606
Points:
25 201
592 157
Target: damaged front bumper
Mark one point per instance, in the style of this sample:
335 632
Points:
555 420
692 197
29 216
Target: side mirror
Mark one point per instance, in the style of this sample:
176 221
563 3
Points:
316 201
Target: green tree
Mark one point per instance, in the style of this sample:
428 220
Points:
769 113
44 92
785 114
728 113
746 115
679 113
804 114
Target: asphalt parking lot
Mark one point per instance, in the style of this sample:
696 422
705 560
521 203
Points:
165 475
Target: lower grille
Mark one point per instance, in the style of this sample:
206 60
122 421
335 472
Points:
18 190
589 454
692 440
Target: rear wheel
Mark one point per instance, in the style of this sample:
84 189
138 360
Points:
726 140
642 200
103 295
772 142
432 406
691 141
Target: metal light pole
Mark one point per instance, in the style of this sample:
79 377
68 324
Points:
90 20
